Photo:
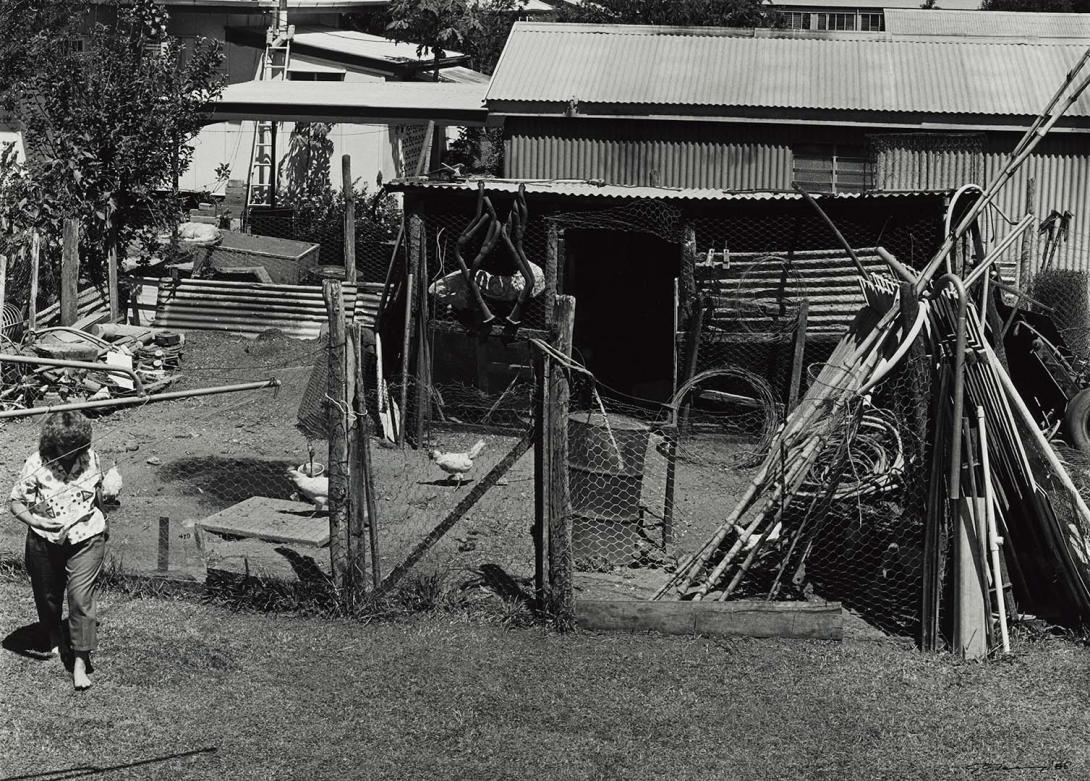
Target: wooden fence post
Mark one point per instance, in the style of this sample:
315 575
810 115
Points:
357 471
338 469
542 474
1025 258
416 227
687 277
3 284
349 220
111 267
561 563
366 476
35 262
552 263
69 292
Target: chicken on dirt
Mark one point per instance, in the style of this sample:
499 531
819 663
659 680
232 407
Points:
456 465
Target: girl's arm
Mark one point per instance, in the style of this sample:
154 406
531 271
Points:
22 512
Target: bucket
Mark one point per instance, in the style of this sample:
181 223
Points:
605 478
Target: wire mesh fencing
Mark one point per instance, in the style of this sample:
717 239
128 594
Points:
321 222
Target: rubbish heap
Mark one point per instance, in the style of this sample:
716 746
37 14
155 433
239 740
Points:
66 365
1006 532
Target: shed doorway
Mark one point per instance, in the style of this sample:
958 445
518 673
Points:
623 283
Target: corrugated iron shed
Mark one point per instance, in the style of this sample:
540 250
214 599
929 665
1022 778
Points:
993 24
584 70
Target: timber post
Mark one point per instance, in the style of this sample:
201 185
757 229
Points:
349 220
35 262
561 556
338 429
357 469
1025 257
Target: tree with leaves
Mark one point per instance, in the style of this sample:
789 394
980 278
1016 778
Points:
435 26
106 127
679 13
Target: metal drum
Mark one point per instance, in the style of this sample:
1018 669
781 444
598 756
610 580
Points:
606 461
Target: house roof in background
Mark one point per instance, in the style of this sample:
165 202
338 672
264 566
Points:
873 5
377 102
669 70
991 24
350 48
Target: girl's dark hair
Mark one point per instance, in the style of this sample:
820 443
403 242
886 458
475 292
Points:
66 438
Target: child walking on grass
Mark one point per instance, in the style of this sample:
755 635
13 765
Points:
58 497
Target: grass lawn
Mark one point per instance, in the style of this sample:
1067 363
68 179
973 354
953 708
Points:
443 696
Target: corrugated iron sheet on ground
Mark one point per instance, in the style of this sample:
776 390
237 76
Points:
91 300
570 65
249 308
826 278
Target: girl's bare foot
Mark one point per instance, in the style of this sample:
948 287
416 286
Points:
79 673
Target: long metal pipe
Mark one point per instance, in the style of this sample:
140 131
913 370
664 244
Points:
1009 239
959 379
33 360
836 231
135 401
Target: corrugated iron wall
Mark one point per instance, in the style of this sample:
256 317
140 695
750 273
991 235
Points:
691 155
1060 168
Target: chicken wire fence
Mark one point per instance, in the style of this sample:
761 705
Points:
376 234
650 489
185 460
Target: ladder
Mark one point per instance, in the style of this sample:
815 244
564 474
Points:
261 182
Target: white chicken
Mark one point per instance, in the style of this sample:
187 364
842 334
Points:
754 538
456 464
314 489
111 484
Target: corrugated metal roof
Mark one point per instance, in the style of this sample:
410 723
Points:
591 189
249 308
871 5
998 24
709 67
335 101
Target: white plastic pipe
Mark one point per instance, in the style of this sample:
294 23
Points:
993 533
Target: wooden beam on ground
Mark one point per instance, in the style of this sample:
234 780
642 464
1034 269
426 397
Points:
69 291
349 220
455 515
793 620
561 555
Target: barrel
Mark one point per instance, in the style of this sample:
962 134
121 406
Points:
606 459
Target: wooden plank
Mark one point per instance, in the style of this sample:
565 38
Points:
69 289
35 262
274 520
791 620
799 357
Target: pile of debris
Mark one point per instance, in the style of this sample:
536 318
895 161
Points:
1005 529
63 365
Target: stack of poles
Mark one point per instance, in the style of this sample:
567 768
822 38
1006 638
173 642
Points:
1007 474
794 452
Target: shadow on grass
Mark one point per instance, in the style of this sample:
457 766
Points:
231 480
82 771
29 641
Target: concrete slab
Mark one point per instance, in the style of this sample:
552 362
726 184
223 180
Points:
274 520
